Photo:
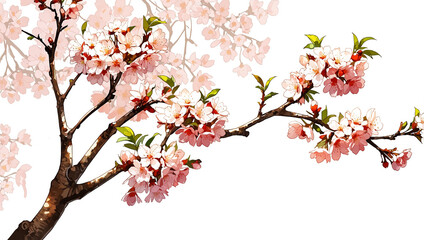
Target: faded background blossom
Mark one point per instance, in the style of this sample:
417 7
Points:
262 187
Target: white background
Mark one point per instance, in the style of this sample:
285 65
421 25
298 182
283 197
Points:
264 186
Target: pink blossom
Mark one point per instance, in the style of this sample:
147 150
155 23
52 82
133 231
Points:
186 98
205 62
374 122
131 197
339 146
38 57
11 96
41 88
246 23
122 9
403 157
150 155
228 54
420 121
21 176
205 138
250 52
353 85
13 31
234 24
239 40
129 43
210 33
242 70
24 138
194 61
3 83
272 8
320 155
202 112
116 63
292 86
359 141
341 128
73 11
295 130
156 193
339 58
149 62
158 40
334 86
187 134
202 80
138 172
360 68
21 82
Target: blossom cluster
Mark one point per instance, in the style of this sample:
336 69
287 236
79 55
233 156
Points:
340 71
154 171
198 120
117 50
8 162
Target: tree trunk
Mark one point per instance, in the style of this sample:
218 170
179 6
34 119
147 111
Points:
49 214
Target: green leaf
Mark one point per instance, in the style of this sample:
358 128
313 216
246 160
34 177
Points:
121 139
363 40
175 89
260 88
151 140
30 38
316 128
169 80
355 42
270 95
259 80
141 140
417 112
340 116
320 41
268 82
310 46
306 97
84 27
131 28
370 53
324 113
314 39
126 131
404 125
322 144
312 91
131 146
146 24
149 94
212 93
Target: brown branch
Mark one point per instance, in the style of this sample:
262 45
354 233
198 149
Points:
72 83
168 134
76 171
395 135
81 190
110 96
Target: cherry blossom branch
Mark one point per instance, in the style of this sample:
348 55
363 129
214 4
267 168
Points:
76 171
72 83
81 190
36 37
110 96
168 134
394 136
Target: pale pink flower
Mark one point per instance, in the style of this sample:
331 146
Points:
96 66
204 138
117 26
73 11
222 8
41 89
340 58
24 138
116 63
21 176
202 112
341 128
403 157
194 61
158 40
420 121
21 82
202 80
234 23
353 86
3 83
129 43
97 78
37 56
174 59
250 52
262 16
295 130
239 40
246 23
219 20
170 15
13 31
218 108
264 46
11 96
272 8
338 147
6 186
218 129
131 73
138 172
224 42
360 68
323 52
150 156
205 62
149 62
314 70
175 114
210 33
242 70
156 193
228 54
127 157
122 9
356 120
320 155
292 86
374 123
359 141
202 14
187 98
104 48
180 76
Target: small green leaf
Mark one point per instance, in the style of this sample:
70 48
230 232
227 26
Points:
84 27
141 140
404 125
260 88
268 82
417 112
355 42
314 39
175 89
169 80
324 113
316 128
131 28
131 146
270 95
322 144
30 38
116 164
212 93
310 46
121 139
340 117
370 53
145 24
259 79
126 131
327 119
363 40
151 140
320 41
